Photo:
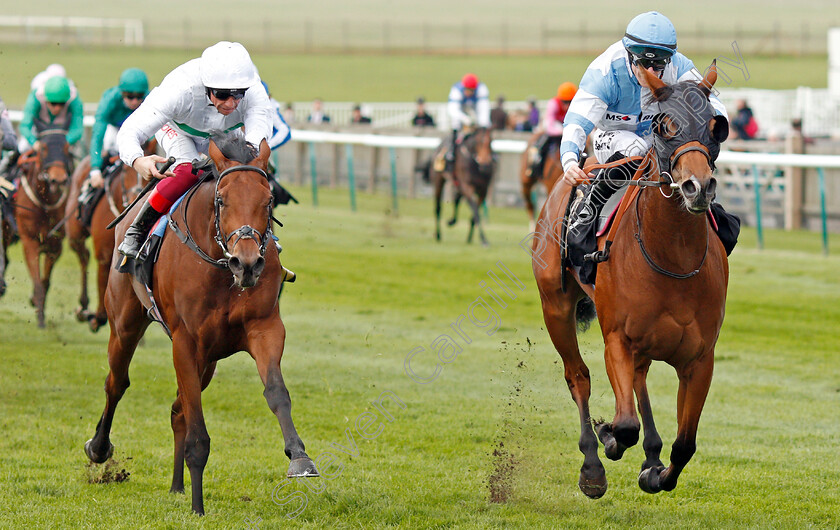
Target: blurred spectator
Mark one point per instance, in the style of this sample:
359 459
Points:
499 116
533 114
421 117
358 117
519 121
317 115
289 113
744 124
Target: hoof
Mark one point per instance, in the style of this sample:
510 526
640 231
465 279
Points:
98 459
302 467
451 222
82 314
594 489
649 479
94 322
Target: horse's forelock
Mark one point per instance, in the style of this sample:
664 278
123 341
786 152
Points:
52 147
234 147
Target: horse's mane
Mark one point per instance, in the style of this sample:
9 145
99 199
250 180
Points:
234 147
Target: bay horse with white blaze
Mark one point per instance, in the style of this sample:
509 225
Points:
473 169
660 295
218 294
120 189
39 206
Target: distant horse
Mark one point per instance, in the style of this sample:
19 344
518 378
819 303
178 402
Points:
39 206
218 294
659 296
5 241
473 169
121 188
552 170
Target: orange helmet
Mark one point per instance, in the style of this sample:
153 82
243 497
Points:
470 81
566 91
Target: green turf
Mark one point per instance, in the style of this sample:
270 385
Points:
371 288
372 78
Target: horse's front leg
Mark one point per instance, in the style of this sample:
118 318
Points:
652 442
179 432
455 203
695 380
52 246
32 255
623 432
189 369
475 221
77 244
266 340
3 256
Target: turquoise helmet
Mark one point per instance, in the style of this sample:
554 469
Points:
134 81
57 89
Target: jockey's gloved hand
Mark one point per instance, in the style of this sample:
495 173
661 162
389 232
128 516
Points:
96 179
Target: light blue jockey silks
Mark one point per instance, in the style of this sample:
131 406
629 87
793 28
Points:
611 98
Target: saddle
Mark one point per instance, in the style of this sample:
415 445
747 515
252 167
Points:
91 196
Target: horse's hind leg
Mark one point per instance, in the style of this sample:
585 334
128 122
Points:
623 432
695 380
559 314
179 431
439 181
266 340
128 323
527 186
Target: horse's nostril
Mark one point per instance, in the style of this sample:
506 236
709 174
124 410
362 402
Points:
689 188
235 264
259 266
711 188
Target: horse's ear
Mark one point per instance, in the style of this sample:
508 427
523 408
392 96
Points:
265 153
709 79
216 154
653 81
719 129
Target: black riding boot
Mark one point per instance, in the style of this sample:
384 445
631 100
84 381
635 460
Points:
135 236
606 183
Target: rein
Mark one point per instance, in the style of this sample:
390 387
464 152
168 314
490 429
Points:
27 188
653 265
243 232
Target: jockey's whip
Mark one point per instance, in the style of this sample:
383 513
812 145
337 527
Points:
143 192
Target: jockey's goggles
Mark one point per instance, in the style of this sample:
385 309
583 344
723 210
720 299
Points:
133 95
227 93
649 57
657 64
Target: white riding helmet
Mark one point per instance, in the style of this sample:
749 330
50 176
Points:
227 65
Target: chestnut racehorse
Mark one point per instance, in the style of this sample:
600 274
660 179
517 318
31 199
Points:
660 295
122 188
218 295
39 206
552 170
473 169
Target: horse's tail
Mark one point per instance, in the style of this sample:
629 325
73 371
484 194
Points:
584 313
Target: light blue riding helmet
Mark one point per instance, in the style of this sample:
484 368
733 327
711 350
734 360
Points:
650 34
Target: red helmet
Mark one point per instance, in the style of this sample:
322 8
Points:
470 81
